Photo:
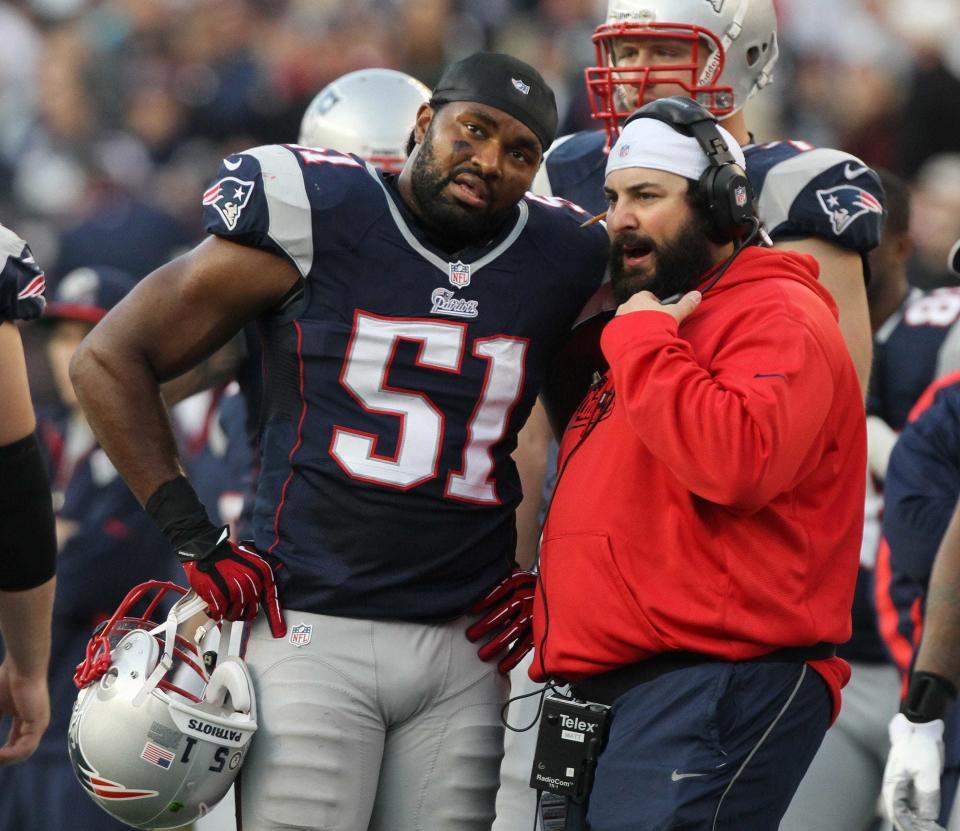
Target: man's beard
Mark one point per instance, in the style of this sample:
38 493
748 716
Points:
680 263
452 222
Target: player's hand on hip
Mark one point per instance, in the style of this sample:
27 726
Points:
646 301
235 581
507 620
911 779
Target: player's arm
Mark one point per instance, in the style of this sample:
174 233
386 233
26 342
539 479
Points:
29 551
175 318
911 779
533 444
841 272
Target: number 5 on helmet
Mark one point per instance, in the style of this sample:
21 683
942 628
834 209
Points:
157 737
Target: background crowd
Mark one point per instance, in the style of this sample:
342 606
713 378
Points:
114 113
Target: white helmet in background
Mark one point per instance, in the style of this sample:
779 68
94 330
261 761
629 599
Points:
740 37
369 112
156 737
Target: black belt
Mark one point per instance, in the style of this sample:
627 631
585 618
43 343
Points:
606 687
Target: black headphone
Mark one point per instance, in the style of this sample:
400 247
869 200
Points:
723 186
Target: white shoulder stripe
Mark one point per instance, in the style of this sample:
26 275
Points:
290 223
10 244
785 181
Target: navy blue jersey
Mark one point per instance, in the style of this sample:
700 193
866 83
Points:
21 279
396 385
921 492
917 344
802 190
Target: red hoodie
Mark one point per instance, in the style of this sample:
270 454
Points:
711 492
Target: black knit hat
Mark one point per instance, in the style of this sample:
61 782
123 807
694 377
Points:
504 82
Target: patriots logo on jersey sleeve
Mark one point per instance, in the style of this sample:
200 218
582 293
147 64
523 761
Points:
844 204
229 197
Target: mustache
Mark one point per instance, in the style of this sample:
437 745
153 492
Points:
633 241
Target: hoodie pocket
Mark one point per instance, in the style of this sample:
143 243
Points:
590 613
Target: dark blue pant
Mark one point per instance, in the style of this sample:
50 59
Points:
43 794
714 747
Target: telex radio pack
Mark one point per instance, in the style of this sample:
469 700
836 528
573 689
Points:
571 736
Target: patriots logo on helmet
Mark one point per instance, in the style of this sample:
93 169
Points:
229 197
92 781
844 204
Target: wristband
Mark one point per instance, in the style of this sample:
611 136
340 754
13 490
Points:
928 698
181 517
26 517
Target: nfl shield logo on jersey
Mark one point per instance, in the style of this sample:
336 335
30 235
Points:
740 195
459 274
229 197
301 634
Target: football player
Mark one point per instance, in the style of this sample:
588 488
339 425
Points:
29 547
408 322
820 201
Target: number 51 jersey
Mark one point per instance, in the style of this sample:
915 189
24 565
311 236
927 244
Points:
395 386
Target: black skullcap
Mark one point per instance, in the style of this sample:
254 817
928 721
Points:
504 82
954 259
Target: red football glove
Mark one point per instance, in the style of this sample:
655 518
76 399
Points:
234 580
509 608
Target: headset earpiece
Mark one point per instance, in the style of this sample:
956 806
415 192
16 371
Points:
723 186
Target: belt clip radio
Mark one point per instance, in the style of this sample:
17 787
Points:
570 739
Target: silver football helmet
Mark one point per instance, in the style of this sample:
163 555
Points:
369 112
156 737
740 37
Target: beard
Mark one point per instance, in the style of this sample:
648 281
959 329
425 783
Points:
678 263
452 222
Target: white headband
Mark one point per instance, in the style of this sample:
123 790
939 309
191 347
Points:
651 143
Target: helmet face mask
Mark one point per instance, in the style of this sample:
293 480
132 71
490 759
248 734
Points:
369 113
725 51
155 739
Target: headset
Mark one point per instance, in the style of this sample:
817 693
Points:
723 186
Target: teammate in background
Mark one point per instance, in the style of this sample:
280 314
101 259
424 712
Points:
106 544
842 787
27 541
921 529
403 354
369 113
820 201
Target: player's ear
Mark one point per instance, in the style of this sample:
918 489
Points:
420 126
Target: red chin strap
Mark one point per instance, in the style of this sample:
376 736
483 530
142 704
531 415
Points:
603 79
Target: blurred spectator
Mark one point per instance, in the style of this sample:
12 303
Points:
935 224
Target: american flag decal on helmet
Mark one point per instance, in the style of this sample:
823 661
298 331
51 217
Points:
844 204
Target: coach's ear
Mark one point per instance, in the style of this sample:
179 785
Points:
420 126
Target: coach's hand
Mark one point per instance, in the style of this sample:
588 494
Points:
911 779
646 301
234 580
509 619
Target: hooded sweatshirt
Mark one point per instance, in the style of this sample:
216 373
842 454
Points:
710 492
